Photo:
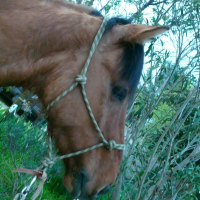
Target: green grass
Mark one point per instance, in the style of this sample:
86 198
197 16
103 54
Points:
22 145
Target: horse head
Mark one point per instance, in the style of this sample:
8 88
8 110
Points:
112 78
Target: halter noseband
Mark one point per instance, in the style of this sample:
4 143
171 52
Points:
82 79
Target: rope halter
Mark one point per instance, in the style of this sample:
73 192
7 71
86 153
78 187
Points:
81 80
49 161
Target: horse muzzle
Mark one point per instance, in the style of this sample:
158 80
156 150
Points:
80 189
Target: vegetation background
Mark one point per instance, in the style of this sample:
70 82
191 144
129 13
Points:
162 156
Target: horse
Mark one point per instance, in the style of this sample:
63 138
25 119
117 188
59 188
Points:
44 45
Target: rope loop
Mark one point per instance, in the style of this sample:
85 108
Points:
111 145
81 79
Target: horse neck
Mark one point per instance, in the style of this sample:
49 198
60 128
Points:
35 45
48 77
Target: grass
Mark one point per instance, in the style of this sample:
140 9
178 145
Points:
22 145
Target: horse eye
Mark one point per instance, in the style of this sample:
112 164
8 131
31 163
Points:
119 93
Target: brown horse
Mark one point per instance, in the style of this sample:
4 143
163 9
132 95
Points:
43 46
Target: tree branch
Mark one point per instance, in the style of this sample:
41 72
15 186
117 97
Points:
149 3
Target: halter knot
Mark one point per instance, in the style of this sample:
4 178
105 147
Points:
81 79
111 145
48 163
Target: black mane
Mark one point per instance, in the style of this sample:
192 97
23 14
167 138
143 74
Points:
132 60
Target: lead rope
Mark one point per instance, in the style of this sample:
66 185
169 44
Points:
49 161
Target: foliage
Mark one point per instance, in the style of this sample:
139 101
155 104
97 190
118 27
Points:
22 145
162 155
163 150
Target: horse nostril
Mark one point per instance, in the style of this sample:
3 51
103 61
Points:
104 190
84 177
79 183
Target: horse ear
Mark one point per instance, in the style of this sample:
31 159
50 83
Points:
138 33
